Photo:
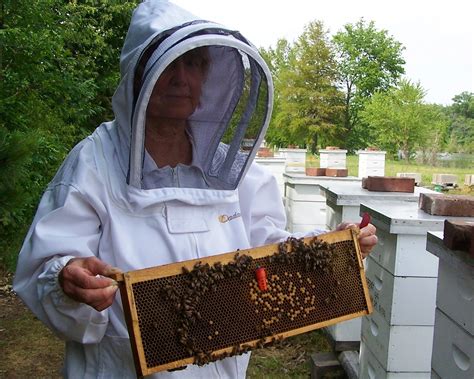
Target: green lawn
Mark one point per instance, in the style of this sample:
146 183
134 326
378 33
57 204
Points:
392 167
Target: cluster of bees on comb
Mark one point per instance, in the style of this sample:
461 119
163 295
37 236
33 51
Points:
287 295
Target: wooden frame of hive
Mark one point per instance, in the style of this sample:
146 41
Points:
304 304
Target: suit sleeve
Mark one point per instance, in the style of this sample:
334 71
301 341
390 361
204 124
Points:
65 226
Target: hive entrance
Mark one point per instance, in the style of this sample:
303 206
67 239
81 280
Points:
200 311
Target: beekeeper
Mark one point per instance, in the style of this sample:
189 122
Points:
165 181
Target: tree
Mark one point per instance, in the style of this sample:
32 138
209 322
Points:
278 61
59 65
369 61
399 120
461 128
308 102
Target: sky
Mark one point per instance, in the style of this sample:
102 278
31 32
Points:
438 36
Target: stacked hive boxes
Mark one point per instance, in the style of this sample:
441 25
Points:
343 201
371 163
332 158
295 160
396 339
453 345
305 203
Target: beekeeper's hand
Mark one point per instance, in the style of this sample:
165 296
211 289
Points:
367 237
84 280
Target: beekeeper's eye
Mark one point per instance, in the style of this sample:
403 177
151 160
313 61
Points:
193 62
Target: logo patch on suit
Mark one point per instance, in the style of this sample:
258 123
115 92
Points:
226 218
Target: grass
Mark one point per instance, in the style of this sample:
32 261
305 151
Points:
290 360
28 349
392 167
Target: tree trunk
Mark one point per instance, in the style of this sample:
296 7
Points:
313 145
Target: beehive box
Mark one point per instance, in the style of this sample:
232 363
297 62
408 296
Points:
398 348
371 368
204 310
401 300
453 349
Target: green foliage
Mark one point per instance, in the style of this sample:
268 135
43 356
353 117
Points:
399 120
321 85
15 155
308 104
369 61
278 60
461 129
59 66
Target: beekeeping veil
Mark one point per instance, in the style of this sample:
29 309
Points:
236 98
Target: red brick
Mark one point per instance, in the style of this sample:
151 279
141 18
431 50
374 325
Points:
315 171
265 152
390 184
339 172
447 205
364 183
459 235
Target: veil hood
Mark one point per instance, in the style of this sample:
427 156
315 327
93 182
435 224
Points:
236 96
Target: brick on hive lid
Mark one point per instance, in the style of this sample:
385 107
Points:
337 172
459 235
315 171
389 184
447 205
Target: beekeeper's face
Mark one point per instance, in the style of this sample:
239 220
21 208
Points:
176 93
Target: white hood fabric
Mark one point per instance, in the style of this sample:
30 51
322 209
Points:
96 204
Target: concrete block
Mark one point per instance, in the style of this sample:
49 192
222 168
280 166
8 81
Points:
459 235
322 363
445 180
350 363
390 184
344 335
414 175
469 180
447 205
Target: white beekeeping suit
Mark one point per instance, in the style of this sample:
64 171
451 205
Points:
110 200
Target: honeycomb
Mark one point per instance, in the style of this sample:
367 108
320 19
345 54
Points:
211 309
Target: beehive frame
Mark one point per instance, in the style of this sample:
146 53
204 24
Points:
207 309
